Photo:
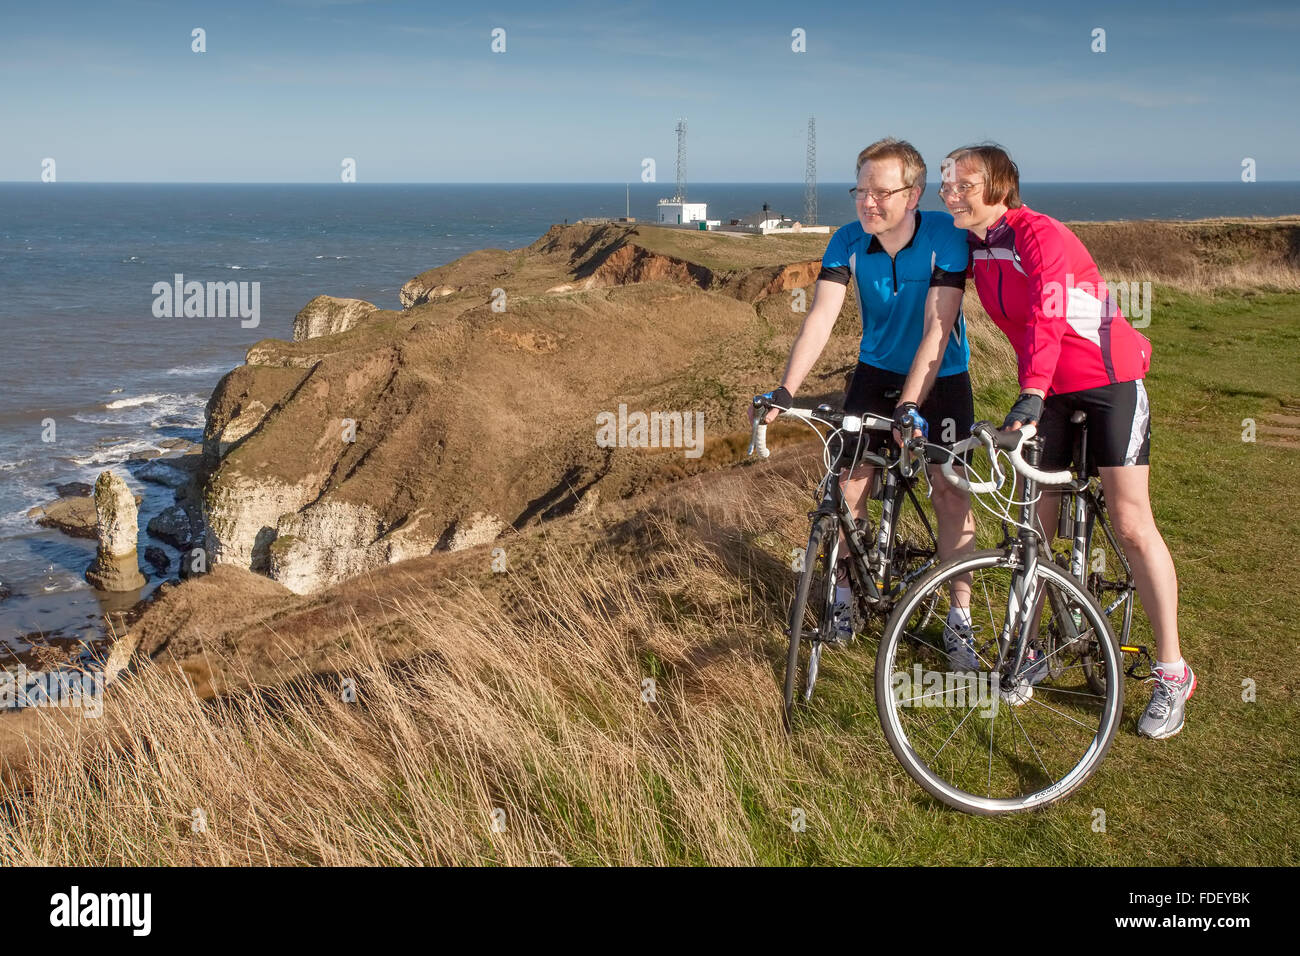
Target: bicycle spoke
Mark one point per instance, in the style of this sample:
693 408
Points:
1046 773
954 731
1035 700
949 734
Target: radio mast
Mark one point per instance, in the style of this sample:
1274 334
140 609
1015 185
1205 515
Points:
810 176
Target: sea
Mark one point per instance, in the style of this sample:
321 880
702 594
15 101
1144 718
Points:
90 376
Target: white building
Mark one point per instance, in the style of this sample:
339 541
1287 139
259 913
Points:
674 212
765 221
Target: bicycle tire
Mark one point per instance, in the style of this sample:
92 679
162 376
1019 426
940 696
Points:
816 583
905 734
1096 580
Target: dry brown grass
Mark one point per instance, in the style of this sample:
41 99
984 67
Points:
535 708
1201 257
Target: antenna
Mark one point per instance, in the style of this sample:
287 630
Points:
810 176
681 161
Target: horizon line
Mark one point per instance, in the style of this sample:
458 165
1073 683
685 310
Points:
666 184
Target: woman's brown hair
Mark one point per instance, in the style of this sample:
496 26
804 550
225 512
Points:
1001 174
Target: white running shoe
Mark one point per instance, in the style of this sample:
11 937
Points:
959 642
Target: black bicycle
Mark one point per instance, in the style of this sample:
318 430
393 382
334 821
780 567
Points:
884 558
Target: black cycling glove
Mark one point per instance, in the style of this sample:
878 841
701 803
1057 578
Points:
908 411
780 397
1028 408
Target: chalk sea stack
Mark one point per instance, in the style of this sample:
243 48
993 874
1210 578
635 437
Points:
116 566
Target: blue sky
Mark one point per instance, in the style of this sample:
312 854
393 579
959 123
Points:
585 91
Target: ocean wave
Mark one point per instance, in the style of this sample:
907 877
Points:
157 398
167 408
111 454
13 465
333 257
191 422
21 494
135 400
87 418
199 370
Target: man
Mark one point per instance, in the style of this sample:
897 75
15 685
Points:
908 272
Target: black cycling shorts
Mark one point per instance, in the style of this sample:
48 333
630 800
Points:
1118 423
949 408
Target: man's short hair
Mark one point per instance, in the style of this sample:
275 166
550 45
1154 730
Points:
909 160
1001 174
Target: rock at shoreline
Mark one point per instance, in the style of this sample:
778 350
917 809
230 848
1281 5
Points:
74 489
193 561
73 516
116 567
161 472
158 558
326 315
171 525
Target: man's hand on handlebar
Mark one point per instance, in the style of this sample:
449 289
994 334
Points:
780 397
905 415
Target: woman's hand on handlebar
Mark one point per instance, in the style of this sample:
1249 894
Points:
1027 410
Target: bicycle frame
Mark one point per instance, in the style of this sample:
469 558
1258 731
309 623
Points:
873 566
870 566
1022 606
1082 510
1025 550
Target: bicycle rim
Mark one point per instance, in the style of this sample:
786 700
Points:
810 614
962 737
1104 588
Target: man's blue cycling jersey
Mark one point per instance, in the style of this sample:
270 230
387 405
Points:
891 292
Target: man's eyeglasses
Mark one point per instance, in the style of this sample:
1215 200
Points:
958 189
879 195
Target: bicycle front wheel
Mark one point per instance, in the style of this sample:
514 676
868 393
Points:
996 741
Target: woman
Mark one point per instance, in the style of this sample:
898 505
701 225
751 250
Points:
1075 351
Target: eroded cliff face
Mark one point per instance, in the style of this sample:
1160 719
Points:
327 315
473 410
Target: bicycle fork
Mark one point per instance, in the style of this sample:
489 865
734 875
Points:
1021 604
1022 595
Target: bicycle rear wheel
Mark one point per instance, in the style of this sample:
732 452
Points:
1071 645
811 613
991 741
915 547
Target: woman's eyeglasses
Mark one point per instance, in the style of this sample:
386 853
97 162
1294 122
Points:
958 189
